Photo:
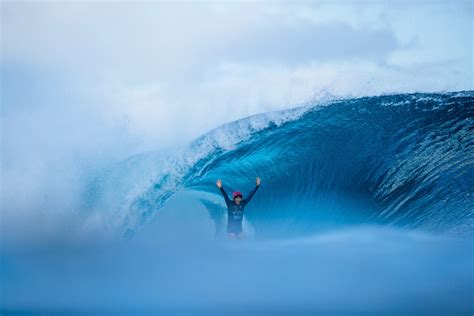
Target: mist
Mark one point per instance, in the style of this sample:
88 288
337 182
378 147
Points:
177 265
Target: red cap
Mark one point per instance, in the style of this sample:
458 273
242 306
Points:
235 194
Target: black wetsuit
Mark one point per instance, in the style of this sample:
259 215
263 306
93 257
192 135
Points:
235 212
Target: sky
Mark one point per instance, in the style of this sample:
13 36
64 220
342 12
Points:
96 82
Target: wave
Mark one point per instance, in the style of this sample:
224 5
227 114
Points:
403 160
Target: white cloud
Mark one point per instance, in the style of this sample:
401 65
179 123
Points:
161 68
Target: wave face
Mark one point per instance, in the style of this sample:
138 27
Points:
401 160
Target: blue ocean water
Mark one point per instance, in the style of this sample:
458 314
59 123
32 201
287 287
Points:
366 207
399 160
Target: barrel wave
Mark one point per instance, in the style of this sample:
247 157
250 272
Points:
403 160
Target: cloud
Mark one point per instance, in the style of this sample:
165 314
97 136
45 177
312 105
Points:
157 70
306 42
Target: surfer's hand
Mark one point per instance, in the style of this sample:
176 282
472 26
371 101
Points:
219 183
257 181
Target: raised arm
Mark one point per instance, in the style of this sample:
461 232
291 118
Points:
221 188
251 193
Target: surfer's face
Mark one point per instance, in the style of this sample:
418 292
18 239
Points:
238 199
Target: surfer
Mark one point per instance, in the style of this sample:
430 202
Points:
235 209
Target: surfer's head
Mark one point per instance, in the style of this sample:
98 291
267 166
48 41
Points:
237 196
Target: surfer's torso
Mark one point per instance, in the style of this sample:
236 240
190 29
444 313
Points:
235 212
